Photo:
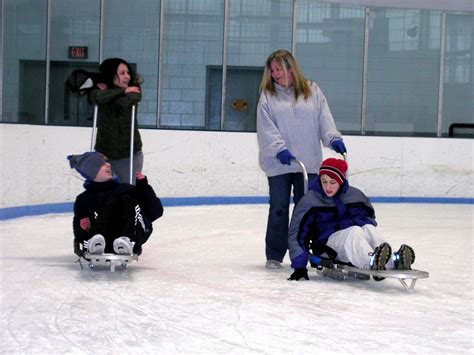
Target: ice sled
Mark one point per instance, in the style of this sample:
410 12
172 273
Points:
76 80
340 271
337 271
109 259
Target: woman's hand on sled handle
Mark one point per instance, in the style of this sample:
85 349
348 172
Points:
338 146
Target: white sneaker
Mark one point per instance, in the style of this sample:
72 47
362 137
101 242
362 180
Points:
123 246
273 264
95 245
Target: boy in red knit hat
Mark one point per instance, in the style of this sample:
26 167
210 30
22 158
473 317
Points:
337 221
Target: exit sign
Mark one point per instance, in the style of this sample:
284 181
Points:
77 52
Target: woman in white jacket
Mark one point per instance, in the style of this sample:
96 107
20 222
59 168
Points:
293 118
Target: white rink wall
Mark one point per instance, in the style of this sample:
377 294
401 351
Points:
34 169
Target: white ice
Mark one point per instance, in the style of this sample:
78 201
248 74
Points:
201 287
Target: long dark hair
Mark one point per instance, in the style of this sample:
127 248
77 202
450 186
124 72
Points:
108 71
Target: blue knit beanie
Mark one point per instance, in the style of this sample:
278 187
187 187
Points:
87 164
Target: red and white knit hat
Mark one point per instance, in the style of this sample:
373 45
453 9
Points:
335 169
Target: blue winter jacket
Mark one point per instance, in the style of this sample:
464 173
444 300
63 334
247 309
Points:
316 217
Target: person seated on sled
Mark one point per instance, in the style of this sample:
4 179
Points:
110 216
336 222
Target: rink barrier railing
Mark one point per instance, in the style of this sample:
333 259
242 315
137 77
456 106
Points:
67 207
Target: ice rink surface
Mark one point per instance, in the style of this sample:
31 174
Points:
200 287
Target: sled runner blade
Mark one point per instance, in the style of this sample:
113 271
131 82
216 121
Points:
397 274
407 278
407 287
112 259
338 273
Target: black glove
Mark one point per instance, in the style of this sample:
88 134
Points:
298 274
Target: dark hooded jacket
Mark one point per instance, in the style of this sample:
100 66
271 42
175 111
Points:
100 194
316 217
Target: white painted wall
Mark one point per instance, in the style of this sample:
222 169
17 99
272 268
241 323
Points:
34 169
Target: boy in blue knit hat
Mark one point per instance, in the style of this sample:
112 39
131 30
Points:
110 216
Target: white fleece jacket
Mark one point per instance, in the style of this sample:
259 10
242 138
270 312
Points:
299 126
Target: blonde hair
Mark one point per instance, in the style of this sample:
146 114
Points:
287 61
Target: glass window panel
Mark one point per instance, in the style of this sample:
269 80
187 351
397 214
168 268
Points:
403 72
192 44
24 68
256 29
458 89
132 32
330 49
434 31
73 24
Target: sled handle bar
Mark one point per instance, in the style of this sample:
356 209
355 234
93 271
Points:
305 174
94 127
132 136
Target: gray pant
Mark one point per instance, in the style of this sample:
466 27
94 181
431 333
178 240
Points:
121 167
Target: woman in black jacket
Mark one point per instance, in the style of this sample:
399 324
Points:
110 216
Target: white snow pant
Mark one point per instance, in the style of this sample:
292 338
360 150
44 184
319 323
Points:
354 244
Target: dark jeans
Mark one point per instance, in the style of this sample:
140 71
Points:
121 217
276 239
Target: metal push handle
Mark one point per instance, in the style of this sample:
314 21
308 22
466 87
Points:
305 174
347 162
94 127
132 136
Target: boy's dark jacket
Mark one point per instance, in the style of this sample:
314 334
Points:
97 194
317 216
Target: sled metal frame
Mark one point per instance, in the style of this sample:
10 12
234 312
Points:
94 127
132 137
112 259
407 278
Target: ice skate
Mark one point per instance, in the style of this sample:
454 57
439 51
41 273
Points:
123 249
273 264
379 258
123 246
95 245
404 257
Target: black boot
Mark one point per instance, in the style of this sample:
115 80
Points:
379 258
404 257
